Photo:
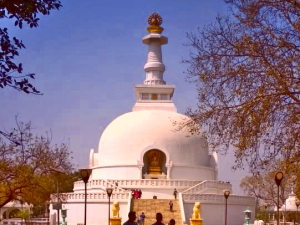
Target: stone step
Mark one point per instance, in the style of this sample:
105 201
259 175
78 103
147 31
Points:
152 206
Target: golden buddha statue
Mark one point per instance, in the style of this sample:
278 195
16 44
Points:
154 162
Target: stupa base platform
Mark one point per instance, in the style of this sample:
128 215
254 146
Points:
155 176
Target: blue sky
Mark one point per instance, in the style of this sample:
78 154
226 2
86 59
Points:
87 58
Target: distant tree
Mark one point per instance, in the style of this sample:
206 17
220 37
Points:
262 213
66 181
247 71
264 189
25 169
21 11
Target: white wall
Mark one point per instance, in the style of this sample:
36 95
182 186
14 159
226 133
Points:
214 214
116 172
97 213
133 172
192 173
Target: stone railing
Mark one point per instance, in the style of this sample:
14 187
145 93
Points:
191 186
96 184
153 183
79 197
129 202
19 221
208 184
181 208
213 198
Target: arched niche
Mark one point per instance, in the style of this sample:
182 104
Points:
13 213
154 161
4 214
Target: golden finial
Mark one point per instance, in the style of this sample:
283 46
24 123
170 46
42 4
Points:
155 21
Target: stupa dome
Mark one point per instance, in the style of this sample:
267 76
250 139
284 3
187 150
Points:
130 135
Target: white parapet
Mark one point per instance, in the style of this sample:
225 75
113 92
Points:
208 186
102 184
181 208
129 203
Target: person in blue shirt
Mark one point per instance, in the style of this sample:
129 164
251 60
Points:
141 219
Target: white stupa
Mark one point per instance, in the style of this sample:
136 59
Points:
142 150
289 204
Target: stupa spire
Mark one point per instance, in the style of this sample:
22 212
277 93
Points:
154 94
154 67
155 21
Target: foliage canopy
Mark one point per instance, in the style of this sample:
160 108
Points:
25 169
247 70
21 11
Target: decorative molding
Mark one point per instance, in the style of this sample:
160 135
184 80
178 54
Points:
154 101
156 86
169 165
140 164
115 165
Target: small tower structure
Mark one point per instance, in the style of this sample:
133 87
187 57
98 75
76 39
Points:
154 94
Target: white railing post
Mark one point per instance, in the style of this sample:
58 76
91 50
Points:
181 208
129 203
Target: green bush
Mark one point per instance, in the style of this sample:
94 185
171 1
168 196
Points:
24 214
